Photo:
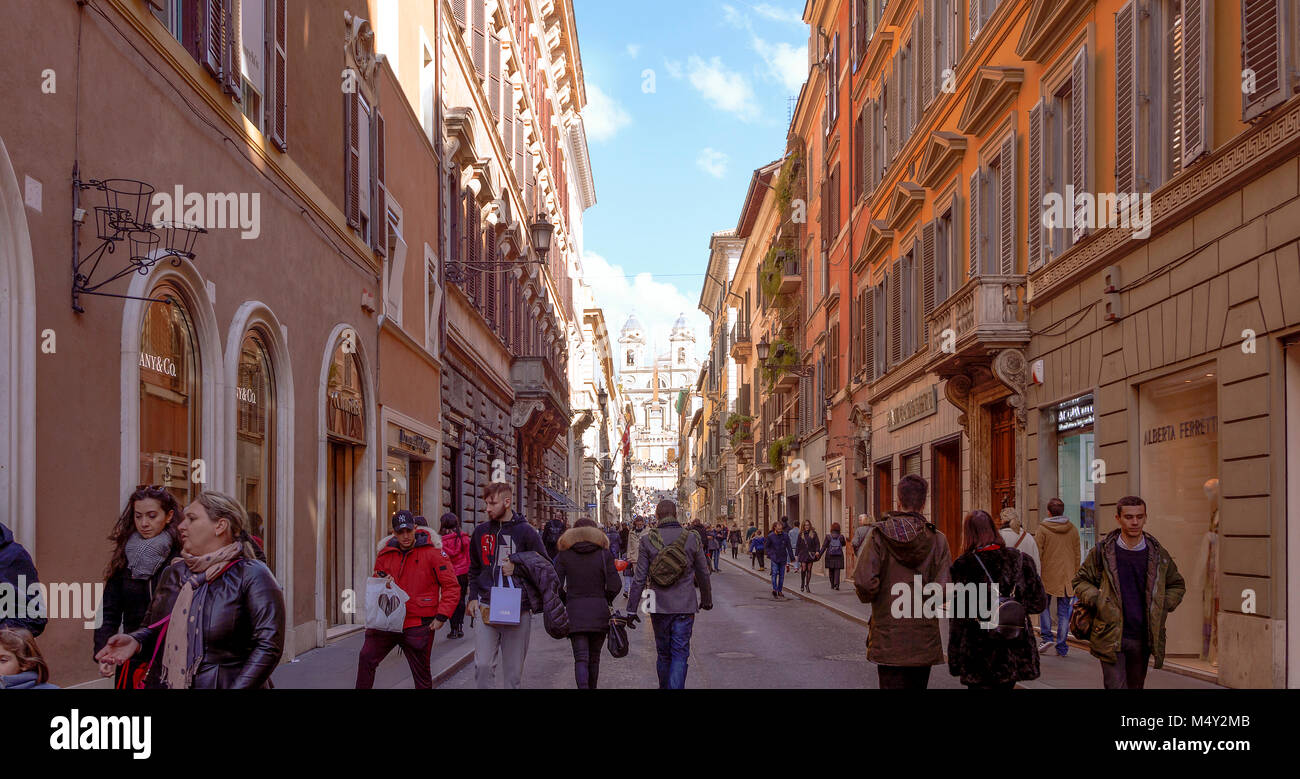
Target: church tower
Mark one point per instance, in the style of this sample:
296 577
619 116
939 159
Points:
631 343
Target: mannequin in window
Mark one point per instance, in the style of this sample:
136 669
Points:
1210 580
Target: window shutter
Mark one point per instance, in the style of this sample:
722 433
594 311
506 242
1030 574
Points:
910 291
1007 206
869 332
379 202
1261 52
231 80
494 75
278 56
1196 79
490 282
975 225
211 28
872 144
1034 225
473 239
519 151
859 168
974 18
352 157
924 48
458 12
480 38
927 278
1079 132
895 314
1126 98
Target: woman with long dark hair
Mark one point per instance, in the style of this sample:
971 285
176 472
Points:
144 540
219 608
833 550
806 551
589 583
977 655
455 545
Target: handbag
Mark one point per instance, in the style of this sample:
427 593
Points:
503 603
385 604
1009 619
132 678
617 641
1081 618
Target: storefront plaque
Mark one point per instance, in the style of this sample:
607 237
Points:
918 407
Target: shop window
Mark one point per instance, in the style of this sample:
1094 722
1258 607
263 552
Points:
254 440
911 464
170 404
1072 422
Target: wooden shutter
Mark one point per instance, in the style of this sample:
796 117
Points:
508 120
494 75
895 313
378 183
1126 98
211 29
879 336
871 155
278 55
975 19
1196 78
490 281
231 79
1034 224
473 238
910 290
519 151
352 157
869 332
1262 52
943 254
458 13
976 224
1080 130
924 49
480 38
927 278
1007 206
858 167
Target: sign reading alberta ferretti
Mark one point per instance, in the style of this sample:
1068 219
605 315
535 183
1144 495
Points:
918 407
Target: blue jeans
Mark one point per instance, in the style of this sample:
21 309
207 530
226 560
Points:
673 645
1063 608
778 576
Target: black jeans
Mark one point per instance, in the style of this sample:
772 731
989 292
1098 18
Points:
1129 671
416 643
835 577
458 616
586 658
805 575
735 549
904 677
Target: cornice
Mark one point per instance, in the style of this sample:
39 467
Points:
994 86
1048 23
879 238
906 202
942 153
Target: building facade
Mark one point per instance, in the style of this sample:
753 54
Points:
651 380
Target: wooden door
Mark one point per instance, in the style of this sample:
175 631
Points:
945 500
1002 457
884 488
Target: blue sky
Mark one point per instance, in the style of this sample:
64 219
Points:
673 149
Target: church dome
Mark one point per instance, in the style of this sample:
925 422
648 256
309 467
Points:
681 327
632 325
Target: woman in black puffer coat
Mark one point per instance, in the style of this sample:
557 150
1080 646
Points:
589 582
976 656
806 553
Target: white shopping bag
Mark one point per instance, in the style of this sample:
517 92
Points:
385 604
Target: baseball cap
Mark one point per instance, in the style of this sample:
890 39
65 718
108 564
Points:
403 520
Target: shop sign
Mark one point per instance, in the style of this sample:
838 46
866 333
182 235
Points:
1187 428
1074 414
919 407
246 395
413 442
344 417
163 365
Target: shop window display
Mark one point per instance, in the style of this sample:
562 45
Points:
169 396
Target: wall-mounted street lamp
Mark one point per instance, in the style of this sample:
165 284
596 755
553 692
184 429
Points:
542 230
763 349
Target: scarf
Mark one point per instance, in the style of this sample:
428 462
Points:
184 636
144 556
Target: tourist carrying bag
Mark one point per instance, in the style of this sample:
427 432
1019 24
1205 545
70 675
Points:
133 675
617 640
1009 618
1081 617
671 560
385 604
503 603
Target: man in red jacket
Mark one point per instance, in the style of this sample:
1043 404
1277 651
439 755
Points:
424 573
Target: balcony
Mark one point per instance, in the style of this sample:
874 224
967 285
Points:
790 278
987 314
741 345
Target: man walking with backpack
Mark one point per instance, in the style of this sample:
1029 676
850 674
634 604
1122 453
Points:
671 562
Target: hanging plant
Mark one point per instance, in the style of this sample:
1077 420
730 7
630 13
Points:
738 426
778 449
785 184
782 357
769 274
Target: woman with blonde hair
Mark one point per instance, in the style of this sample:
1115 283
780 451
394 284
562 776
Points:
217 618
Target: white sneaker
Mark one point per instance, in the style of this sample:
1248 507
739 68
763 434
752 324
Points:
1045 644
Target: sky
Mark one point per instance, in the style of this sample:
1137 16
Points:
684 100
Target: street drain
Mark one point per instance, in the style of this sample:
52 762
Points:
734 655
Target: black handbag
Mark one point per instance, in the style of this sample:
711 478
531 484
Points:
617 640
1009 619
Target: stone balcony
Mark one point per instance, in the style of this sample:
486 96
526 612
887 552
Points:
987 314
741 344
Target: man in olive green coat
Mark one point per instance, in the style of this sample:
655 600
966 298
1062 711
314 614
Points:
1132 584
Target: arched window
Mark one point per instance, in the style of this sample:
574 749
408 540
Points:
629 358
681 355
169 395
254 440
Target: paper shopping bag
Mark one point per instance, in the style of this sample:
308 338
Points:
504 603
385 604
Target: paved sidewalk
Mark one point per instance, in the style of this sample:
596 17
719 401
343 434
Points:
334 666
1078 670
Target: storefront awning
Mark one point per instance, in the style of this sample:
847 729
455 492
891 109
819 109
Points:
559 500
746 481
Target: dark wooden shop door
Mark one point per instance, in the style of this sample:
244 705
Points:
945 501
1002 457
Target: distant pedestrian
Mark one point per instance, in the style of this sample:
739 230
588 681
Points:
855 544
19 572
756 552
639 530
1131 584
22 666
551 532
671 563
455 545
833 552
1015 536
977 655
902 547
806 551
793 533
421 570
778 550
623 535
1059 549
712 546
615 542
491 544
751 531
733 538
589 582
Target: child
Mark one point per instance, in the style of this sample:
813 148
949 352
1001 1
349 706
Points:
21 665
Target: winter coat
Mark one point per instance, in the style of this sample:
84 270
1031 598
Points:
513 535
756 544
425 574
543 587
834 541
750 532
713 544
860 537
1059 554
126 599
588 579
614 545
1097 585
974 655
551 533
634 537
1027 545
902 546
243 626
456 546
15 562
734 537
806 550
680 597
777 547
24 680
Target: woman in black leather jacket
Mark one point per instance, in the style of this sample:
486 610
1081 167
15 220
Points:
238 636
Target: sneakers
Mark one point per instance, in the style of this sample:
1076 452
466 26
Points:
1045 643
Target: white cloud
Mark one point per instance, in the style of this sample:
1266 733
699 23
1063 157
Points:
656 304
786 63
604 116
633 49
777 14
725 89
674 68
712 162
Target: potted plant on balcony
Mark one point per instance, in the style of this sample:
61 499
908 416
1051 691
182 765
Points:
738 426
778 450
782 357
